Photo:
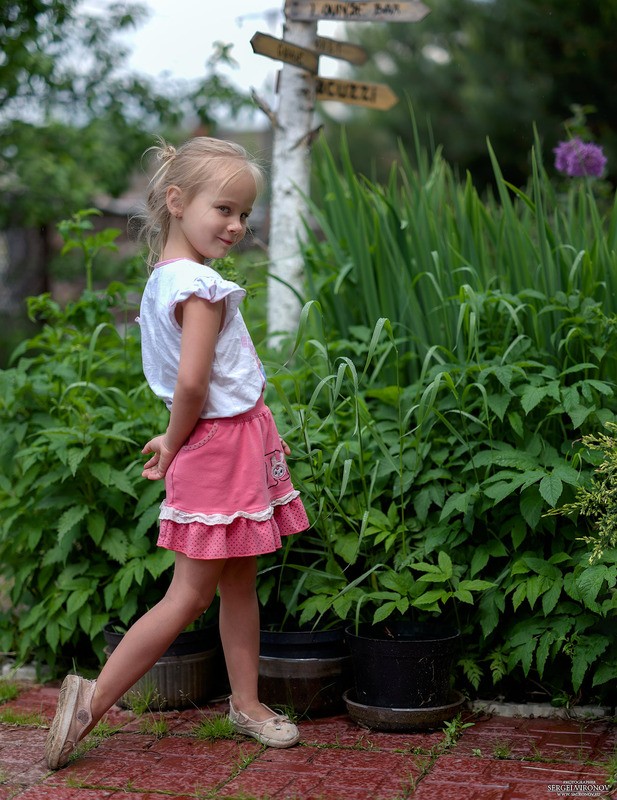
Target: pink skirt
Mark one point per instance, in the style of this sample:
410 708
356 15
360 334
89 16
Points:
228 490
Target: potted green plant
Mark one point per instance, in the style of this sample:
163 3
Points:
304 660
360 467
304 666
190 672
402 674
508 351
404 639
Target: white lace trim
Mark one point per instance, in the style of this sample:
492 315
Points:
185 517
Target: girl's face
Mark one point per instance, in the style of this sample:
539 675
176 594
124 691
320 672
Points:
212 222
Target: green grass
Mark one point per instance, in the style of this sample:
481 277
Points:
9 690
144 701
157 727
10 717
103 730
212 728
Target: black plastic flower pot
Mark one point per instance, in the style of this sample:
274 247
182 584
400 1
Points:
307 671
328 643
190 671
185 644
402 664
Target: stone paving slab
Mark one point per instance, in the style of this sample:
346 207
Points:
507 780
557 740
493 758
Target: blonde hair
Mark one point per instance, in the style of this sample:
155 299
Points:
199 161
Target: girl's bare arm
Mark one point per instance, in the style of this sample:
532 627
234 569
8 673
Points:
201 321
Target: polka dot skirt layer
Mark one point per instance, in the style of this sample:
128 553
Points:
242 537
228 491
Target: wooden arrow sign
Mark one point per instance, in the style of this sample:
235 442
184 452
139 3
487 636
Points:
404 11
266 45
371 95
344 50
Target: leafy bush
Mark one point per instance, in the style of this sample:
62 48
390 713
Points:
441 438
77 530
430 499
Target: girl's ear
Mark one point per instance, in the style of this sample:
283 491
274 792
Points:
174 201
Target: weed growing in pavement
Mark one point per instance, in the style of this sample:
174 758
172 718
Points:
212 728
8 690
415 751
101 731
10 717
611 769
535 754
423 764
453 730
155 727
212 794
243 761
407 790
141 701
129 786
361 744
502 750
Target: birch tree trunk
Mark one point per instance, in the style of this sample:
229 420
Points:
290 181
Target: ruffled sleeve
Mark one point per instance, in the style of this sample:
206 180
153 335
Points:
206 283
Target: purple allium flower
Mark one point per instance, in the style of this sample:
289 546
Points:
576 158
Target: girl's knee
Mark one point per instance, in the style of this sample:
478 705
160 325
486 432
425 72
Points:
239 574
244 567
193 585
191 604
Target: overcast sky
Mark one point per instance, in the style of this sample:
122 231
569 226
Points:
179 36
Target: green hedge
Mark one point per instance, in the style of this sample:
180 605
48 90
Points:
77 522
460 349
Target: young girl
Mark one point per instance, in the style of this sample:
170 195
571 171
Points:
229 497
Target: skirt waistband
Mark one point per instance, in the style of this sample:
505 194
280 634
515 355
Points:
258 409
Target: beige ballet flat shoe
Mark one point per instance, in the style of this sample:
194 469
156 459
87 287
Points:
276 731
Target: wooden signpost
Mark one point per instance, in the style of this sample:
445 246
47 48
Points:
404 11
371 95
343 50
266 45
293 132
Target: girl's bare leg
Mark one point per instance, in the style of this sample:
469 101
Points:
190 593
239 627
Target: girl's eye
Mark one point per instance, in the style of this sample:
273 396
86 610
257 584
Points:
224 209
244 216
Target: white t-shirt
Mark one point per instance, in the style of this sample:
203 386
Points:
237 378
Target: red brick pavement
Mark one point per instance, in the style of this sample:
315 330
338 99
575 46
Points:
495 758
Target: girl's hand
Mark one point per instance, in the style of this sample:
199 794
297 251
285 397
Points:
156 467
286 447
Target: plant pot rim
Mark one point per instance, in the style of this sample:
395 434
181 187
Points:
186 643
303 644
402 719
303 635
403 631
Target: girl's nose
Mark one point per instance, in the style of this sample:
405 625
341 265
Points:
235 224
